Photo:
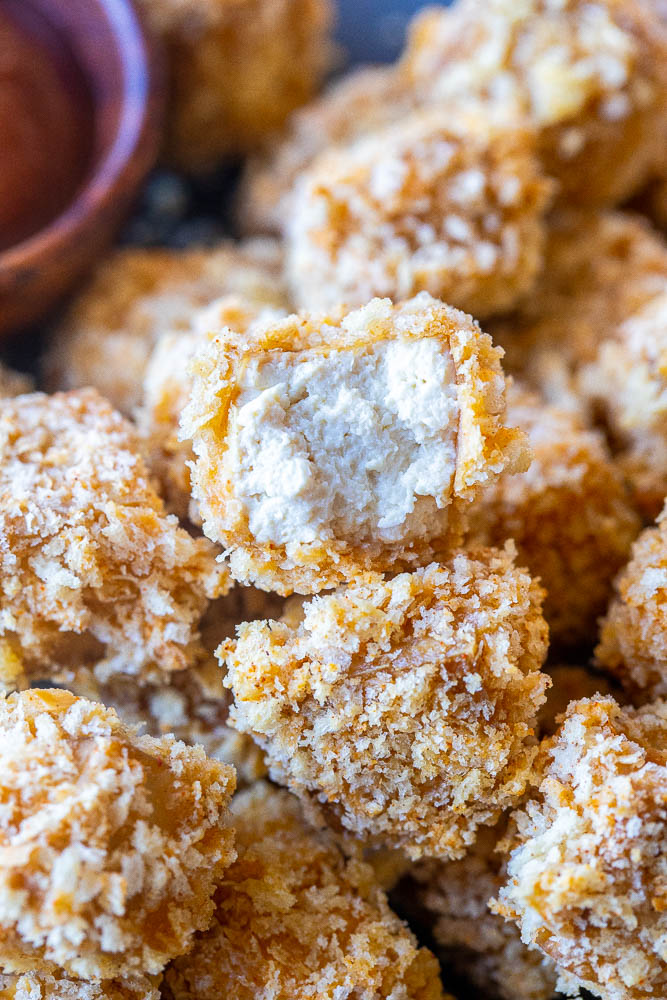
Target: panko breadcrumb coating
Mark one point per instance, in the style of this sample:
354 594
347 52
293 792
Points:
237 69
44 986
569 515
329 445
166 391
357 103
135 295
590 77
401 710
633 636
112 844
93 570
587 875
452 899
296 919
571 683
450 205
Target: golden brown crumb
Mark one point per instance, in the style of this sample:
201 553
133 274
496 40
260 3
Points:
357 103
569 516
570 683
296 919
331 445
44 986
401 710
448 204
587 875
588 75
633 636
106 337
13 383
112 844
94 572
452 899
166 390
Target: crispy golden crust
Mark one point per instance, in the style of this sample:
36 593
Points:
589 77
570 683
363 100
296 919
569 516
451 205
135 295
587 875
401 710
452 900
166 390
633 636
111 843
237 70
44 986
93 570
483 447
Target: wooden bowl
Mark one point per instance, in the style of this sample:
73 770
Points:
120 70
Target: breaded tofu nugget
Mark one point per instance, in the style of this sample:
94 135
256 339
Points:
450 205
166 391
296 919
237 68
44 986
135 295
112 844
452 897
93 571
401 710
589 76
569 515
587 874
571 683
357 103
633 636
328 445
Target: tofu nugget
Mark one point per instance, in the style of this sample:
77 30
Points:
451 899
45 986
590 77
569 515
331 445
633 636
587 874
237 69
451 205
401 710
112 844
94 572
296 919
135 295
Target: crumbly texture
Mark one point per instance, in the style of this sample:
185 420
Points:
112 844
106 337
361 101
589 76
452 897
591 337
93 570
451 205
569 515
45 986
296 919
332 445
166 390
633 635
401 710
13 383
587 873
237 69
571 683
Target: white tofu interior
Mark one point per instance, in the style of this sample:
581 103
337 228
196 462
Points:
354 444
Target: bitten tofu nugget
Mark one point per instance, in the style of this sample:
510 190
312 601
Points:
328 445
401 710
587 874
111 844
92 569
295 919
449 204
